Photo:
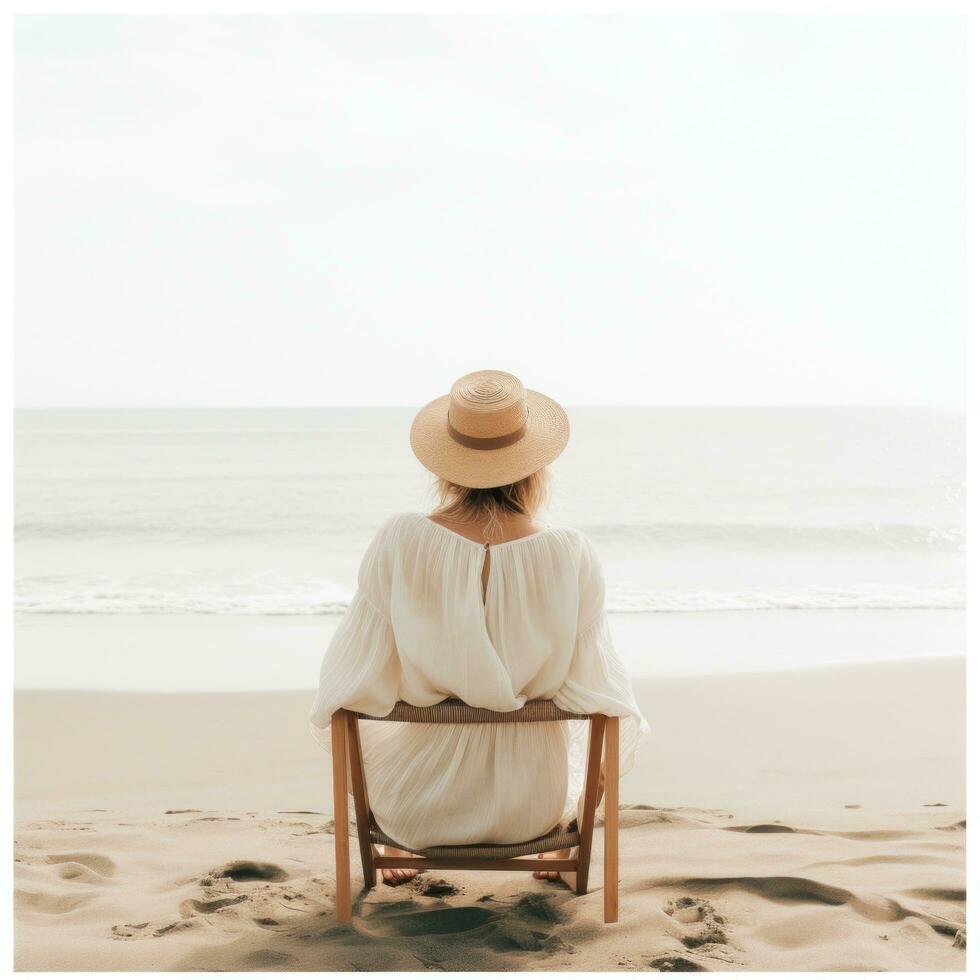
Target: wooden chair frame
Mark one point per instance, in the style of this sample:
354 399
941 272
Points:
348 761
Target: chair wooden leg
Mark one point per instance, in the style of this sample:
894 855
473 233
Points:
361 804
579 880
338 741
611 824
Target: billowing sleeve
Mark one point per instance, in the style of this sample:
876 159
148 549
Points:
360 669
598 681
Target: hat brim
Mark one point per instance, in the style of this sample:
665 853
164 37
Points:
545 436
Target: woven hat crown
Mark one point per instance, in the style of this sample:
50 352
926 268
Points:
487 404
489 431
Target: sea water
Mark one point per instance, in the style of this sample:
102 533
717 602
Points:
260 513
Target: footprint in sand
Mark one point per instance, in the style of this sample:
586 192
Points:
172 927
767 828
436 889
669 963
98 865
71 871
787 888
524 936
530 923
246 871
189 910
146 930
194 906
640 814
409 919
710 929
526 924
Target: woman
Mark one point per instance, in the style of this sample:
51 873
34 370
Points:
479 601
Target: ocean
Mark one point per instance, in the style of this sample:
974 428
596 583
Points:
201 515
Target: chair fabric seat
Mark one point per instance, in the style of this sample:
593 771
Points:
456 712
554 840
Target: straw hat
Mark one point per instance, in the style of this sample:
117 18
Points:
489 431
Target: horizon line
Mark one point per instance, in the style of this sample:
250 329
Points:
927 406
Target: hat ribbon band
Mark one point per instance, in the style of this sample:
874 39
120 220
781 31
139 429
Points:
494 442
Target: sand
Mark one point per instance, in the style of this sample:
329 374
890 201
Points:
807 820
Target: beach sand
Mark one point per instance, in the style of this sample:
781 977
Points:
808 820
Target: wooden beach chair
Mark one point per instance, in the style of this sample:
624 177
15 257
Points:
348 762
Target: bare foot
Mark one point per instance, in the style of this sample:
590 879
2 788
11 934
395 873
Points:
552 875
397 876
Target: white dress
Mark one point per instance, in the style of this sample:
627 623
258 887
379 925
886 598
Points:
418 629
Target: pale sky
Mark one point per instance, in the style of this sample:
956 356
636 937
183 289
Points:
620 210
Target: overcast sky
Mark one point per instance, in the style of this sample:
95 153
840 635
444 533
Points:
354 210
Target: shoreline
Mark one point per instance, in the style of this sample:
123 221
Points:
186 652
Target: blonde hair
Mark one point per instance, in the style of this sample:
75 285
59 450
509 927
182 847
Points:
487 506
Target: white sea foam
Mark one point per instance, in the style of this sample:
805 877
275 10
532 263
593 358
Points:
275 595
187 592
871 595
